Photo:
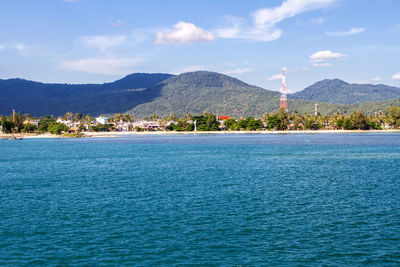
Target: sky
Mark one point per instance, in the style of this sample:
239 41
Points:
95 41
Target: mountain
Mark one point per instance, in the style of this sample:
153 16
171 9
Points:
195 92
339 92
44 98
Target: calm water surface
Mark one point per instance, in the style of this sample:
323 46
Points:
296 199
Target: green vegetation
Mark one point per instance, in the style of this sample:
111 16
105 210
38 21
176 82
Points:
29 128
339 92
102 128
207 121
45 122
201 91
292 121
42 98
57 128
160 95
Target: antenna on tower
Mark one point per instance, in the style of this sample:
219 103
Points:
283 99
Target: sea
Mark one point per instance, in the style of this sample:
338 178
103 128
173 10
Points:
201 200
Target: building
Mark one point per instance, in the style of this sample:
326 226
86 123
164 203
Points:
102 120
147 125
33 122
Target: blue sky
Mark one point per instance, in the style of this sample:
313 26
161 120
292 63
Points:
91 41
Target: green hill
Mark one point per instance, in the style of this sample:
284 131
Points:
339 92
45 98
200 91
195 92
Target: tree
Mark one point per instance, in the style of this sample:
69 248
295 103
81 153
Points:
7 125
394 116
68 116
284 118
18 123
45 122
154 117
250 124
57 128
347 124
359 120
173 117
128 118
206 122
29 128
78 117
273 122
118 117
311 123
231 124
88 118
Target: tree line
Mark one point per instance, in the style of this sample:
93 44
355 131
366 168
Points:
280 120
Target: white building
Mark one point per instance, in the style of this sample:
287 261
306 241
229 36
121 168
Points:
147 125
102 120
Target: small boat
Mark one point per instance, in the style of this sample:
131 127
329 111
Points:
13 137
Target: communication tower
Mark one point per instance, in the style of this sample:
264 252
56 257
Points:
316 109
283 98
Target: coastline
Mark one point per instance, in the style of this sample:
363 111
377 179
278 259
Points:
119 134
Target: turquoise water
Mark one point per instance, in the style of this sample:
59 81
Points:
296 199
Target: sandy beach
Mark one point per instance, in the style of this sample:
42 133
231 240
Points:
119 134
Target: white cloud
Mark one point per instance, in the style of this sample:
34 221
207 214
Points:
320 58
184 32
102 42
104 66
352 31
264 20
1 47
396 76
317 20
20 47
376 79
275 77
288 9
237 71
118 23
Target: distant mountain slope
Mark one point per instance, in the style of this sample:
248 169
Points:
42 98
200 91
325 108
195 92
339 92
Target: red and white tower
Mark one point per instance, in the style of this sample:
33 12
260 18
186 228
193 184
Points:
316 109
283 91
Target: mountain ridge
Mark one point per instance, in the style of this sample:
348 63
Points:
340 92
193 92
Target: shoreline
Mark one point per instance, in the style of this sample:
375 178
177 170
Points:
119 134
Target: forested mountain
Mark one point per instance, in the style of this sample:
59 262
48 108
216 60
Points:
339 92
43 98
200 91
194 92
